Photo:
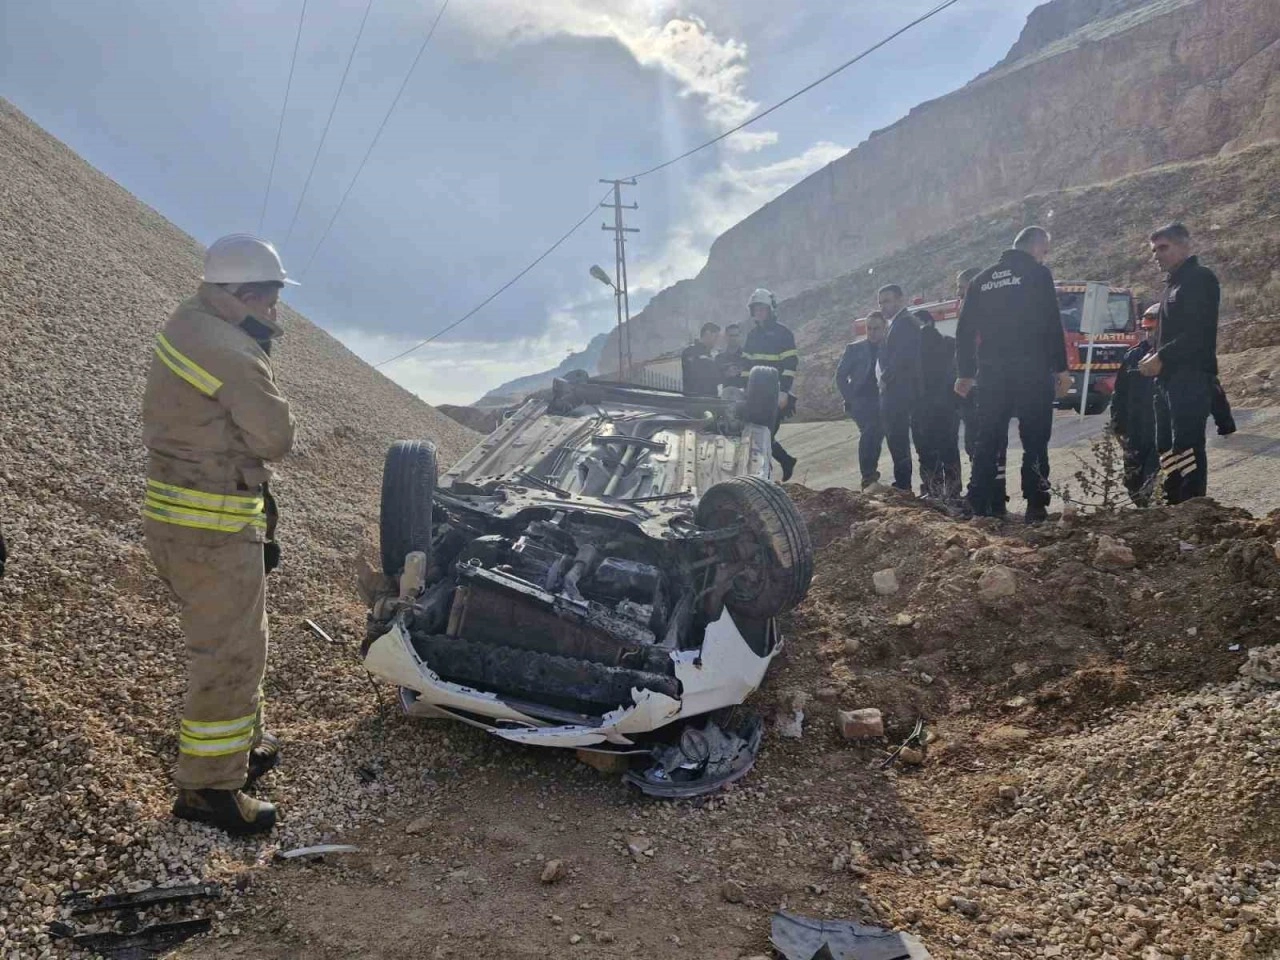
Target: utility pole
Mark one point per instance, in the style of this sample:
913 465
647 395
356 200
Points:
620 296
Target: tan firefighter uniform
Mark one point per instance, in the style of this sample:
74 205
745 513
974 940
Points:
212 419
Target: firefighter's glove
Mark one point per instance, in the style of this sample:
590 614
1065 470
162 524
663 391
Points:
270 555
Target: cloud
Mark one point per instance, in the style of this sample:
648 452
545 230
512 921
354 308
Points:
719 200
705 67
462 371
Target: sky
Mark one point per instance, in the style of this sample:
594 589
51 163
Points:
513 114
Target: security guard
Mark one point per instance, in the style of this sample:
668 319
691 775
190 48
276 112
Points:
1133 417
700 377
770 344
937 430
1184 363
1010 337
212 420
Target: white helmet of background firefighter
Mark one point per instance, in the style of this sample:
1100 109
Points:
243 258
764 298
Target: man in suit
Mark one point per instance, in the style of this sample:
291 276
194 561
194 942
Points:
699 374
899 377
856 383
937 425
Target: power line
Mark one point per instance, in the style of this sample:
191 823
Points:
373 143
782 103
293 62
325 134
688 153
502 289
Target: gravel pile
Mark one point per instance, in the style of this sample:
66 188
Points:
91 663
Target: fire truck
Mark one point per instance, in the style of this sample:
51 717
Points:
1120 332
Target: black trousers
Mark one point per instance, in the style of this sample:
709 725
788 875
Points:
897 412
1006 395
937 435
866 414
1184 401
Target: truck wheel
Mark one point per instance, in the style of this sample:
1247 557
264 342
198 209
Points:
773 550
763 385
408 485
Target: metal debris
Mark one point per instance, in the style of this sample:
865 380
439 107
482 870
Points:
152 941
805 938
81 904
704 760
317 851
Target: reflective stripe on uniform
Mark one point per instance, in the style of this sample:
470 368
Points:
215 502
1181 461
198 519
771 357
218 738
186 368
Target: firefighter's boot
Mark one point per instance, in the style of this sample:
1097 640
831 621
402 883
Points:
263 758
237 813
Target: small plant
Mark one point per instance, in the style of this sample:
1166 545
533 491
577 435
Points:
1100 479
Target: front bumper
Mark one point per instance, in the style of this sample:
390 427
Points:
722 673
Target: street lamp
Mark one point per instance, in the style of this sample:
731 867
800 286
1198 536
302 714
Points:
597 271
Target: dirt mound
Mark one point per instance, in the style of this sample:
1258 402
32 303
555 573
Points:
91 657
1064 619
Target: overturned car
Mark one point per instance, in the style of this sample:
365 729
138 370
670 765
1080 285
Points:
604 567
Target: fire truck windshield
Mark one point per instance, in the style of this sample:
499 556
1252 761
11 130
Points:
1118 316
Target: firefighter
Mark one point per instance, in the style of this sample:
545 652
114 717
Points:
700 375
969 417
856 384
938 415
1184 363
213 418
899 375
1010 338
770 344
1133 417
732 365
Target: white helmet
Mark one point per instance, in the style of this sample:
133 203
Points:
762 296
243 258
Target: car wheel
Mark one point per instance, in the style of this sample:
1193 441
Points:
763 385
773 550
1096 405
408 484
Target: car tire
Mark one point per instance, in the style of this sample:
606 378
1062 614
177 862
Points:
1095 405
408 485
774 546
763 387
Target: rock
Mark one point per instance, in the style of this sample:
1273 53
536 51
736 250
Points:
827 694
603 936
911 756
606 763
1262 665
967 908
860 724
1008 792
851 646
575 939
419 827
554 871
904 620
954 554
1113 554
638 846
996 583
732 892
942 902
1052 951
885 582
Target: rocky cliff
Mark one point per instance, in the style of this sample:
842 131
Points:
1093 90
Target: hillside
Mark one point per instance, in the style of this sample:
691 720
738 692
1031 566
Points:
1099 233
588 358
1092 91
91 659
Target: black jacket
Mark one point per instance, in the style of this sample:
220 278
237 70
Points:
937 368
699 373
733 368
856 374
899 360
1133 415
1188 338
773 345
1010 320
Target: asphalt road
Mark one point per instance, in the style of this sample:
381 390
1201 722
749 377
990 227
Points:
1244 468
